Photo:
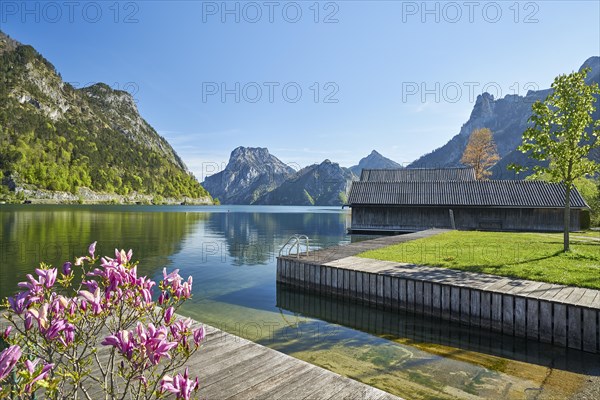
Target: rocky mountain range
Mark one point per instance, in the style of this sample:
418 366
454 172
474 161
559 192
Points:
58 138
254 176
507 119
92 142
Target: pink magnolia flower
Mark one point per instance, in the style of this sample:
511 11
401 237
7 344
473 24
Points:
60 330
180 385
7 331
94 299
169 315
67 268
34 287
40 315
92 249
28 321
149 342
122 257
174 281
122 340
156 344
199 335
181 328
145 286
19 302
47 276
8 360
41 374
171 279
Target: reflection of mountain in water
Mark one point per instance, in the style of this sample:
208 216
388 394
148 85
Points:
431 334
56 234
255 238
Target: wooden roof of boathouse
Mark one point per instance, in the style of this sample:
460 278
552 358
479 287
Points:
417 174
465 193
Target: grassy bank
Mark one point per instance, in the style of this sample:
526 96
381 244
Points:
534 256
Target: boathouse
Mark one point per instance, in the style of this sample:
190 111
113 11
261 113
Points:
409 200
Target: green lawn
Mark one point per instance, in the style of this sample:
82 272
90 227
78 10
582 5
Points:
534 256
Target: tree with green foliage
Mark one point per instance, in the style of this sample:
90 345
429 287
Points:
564 132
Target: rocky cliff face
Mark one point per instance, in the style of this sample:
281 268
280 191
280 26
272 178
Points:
374 161
507 119
324 184
56 137
250 173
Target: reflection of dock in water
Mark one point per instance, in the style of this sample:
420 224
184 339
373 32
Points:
426 332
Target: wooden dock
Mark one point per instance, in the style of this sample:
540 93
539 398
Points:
230 367
557 314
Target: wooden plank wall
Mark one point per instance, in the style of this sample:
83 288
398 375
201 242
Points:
550 317
419 218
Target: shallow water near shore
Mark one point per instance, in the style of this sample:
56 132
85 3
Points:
231 253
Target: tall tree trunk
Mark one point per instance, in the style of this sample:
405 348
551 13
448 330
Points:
567 217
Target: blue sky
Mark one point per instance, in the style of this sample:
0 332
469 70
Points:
309 80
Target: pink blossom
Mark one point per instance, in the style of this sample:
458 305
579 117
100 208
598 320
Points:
180 385
94 299
146 285
41 374
67 268
8 360
19 302
47 276
60 330
122 257
122 340
156 344
181 328
174 281
199 335
150 342
92 249
7 331
34 287
28 321
169 314
40 315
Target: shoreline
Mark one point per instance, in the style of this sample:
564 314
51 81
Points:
87 196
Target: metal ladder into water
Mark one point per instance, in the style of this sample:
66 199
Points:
295 242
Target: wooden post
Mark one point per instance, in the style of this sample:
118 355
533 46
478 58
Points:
560 324
533 319
546 322
520 317
574 339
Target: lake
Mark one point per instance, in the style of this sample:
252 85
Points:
231 253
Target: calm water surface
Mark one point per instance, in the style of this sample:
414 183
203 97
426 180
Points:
231 253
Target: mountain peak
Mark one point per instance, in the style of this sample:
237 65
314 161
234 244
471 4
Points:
250 172
507 118
374 161
241 151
